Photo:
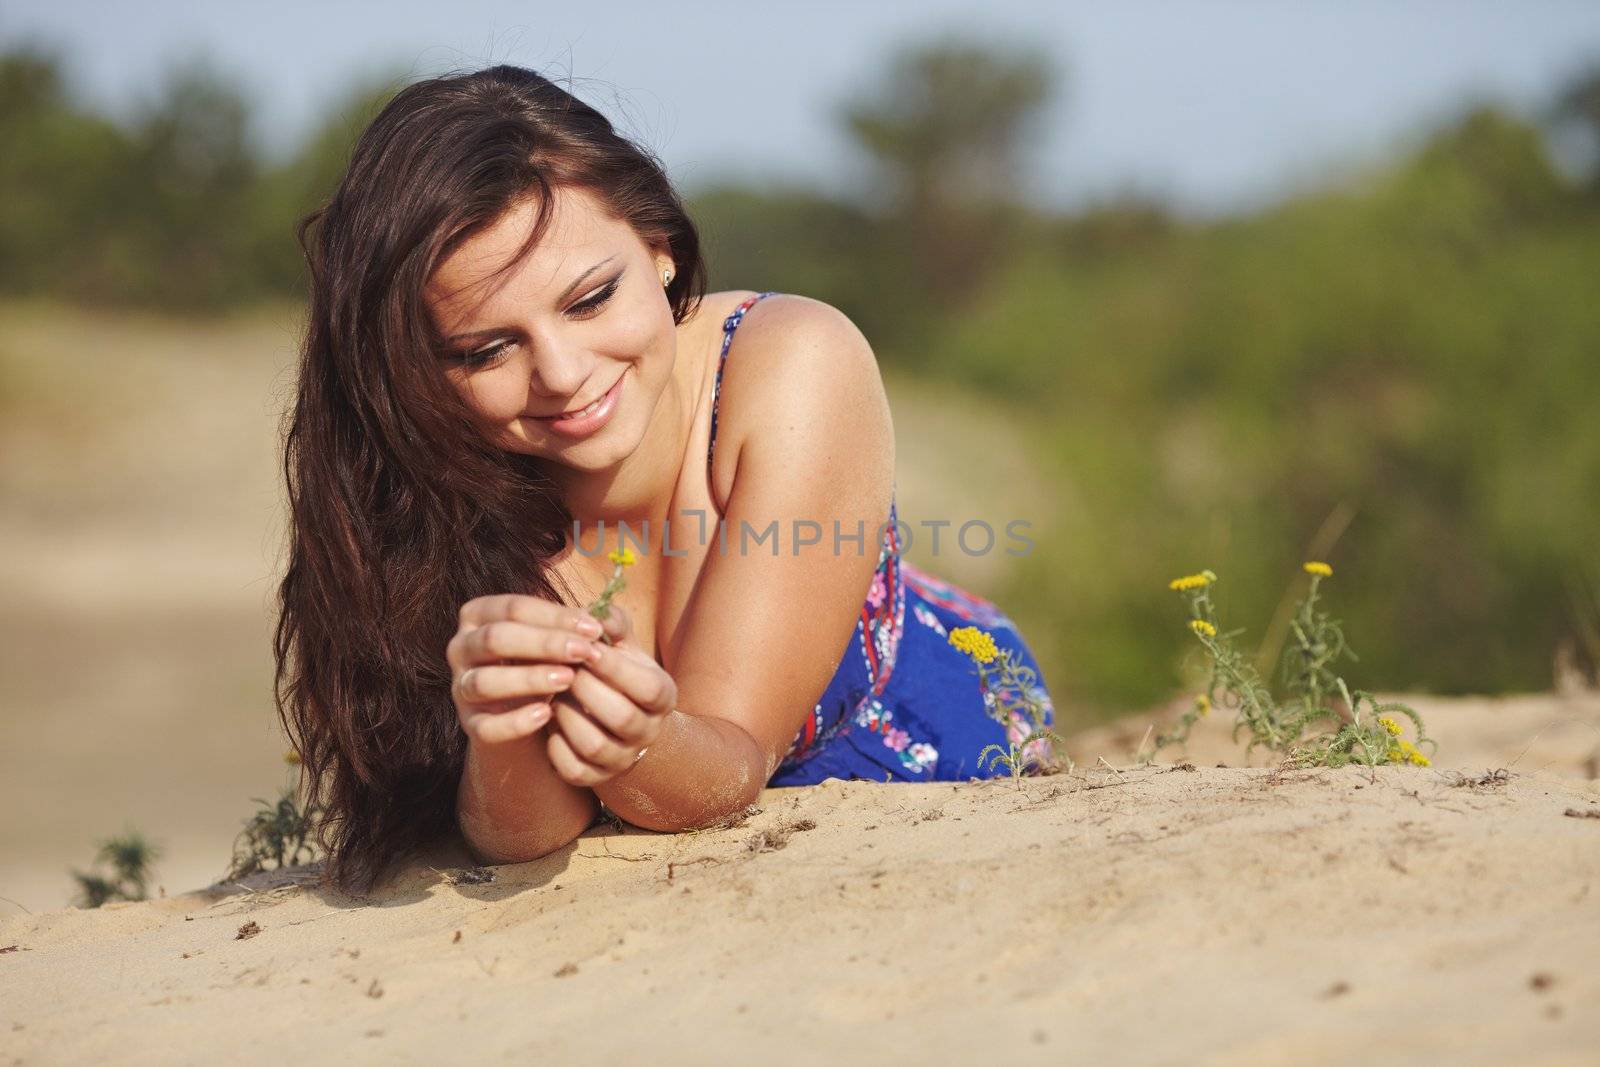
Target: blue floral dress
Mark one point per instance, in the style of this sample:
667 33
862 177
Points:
904 704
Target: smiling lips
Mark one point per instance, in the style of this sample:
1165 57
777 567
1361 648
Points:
587 409
589 418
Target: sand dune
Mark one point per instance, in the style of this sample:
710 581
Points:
1178 912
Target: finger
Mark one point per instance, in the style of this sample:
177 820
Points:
497 727
635 675
618 625
505 639
569 767
478 684
620 717
519 607
587 740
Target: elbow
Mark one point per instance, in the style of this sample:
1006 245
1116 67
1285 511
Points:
492 844
511 852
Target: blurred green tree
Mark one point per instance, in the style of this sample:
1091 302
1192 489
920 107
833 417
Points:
949 129
1577 104
58 229
188 190
285 193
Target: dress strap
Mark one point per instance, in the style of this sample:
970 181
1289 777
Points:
729 324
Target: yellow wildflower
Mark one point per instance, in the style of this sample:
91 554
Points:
974 642
1314 567
625 558
1394 755
1200 626
1389 724
1409 753
1203 702
1192 581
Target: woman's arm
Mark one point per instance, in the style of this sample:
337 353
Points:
807 425
510 657
512 806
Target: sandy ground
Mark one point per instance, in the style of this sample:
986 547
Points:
1177 912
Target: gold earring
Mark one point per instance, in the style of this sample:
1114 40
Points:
666 277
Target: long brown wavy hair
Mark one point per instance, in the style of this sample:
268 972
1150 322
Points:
400 509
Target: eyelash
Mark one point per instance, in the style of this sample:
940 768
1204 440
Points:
590 308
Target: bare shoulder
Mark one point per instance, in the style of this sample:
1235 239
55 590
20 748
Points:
789 348
800 371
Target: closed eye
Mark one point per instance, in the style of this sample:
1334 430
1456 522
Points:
583 309
593 304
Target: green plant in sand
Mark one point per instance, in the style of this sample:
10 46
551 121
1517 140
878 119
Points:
1012 697
1369 735
130 857
279 834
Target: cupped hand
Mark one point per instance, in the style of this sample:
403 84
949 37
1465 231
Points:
612 710
510 655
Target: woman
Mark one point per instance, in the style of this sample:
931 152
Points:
509 352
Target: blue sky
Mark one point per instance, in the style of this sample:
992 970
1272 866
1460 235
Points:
1214 106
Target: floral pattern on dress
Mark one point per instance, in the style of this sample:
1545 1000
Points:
916 758
929 619
971 607
1020 725
885 619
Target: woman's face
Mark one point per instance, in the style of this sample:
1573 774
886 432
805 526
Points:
583 317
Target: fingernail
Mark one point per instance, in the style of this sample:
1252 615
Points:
561 675
595 652
541 715
590 626
578 648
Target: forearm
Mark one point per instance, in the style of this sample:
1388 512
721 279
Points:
512 806
697 770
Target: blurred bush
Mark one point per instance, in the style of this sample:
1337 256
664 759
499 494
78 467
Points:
176 209
1421 349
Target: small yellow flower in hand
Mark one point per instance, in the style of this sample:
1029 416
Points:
974 642
1192 581
601 608
1203 628
1314 567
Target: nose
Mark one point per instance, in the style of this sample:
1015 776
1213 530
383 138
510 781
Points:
556 374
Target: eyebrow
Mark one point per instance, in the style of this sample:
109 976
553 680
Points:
565 293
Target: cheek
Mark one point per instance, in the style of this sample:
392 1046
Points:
496 397
643 332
